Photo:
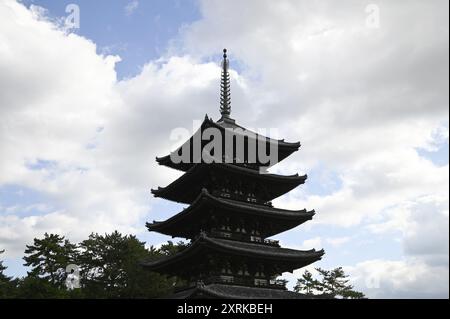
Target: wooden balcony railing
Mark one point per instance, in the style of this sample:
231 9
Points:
244 237
247 281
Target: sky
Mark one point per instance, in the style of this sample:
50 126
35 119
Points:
86 107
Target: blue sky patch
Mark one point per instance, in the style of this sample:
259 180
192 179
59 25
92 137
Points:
137 37
439 157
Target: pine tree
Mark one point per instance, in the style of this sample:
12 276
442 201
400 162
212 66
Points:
333 283
307 284
171 249
2 269
49 257
110 268
352 294
32 287
7 285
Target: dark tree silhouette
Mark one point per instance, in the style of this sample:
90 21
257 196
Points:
307 284
333 284
7 284
49 257
110 268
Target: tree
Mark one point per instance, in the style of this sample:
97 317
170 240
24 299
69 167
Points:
111 268
171 249
3 277
307 284
33 287
7 284
352 294
334 283
49 258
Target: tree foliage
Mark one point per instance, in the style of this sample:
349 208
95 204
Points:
7 284
171 249
307 284
49 257
333 284
109 267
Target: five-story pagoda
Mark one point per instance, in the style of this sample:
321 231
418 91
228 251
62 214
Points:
230 215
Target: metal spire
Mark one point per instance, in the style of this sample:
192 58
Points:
225 102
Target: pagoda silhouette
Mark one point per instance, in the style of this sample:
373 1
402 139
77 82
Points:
230 215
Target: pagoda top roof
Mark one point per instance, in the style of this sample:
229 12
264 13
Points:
228 291
174 226
204 244
229 123
186 188
284 148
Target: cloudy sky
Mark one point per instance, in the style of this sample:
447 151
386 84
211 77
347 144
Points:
84 110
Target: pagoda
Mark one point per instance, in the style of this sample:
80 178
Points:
230 216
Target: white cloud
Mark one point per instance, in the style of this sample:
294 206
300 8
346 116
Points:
63 105
411 278
374 184
311 243
56 94
338 241
423 224
131 7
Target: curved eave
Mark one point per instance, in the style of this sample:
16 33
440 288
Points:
284 148
205 244
204 199
264 210
229 291
253 173
262 251
176 191
166 161
232 124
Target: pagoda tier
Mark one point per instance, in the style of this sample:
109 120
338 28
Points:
229 181
235 219
221 291
223 260
228 126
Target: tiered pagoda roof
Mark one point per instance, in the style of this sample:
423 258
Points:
185 224
219 175
286 259
230 216
230 126
221 291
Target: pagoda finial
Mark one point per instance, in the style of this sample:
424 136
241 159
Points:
225 102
